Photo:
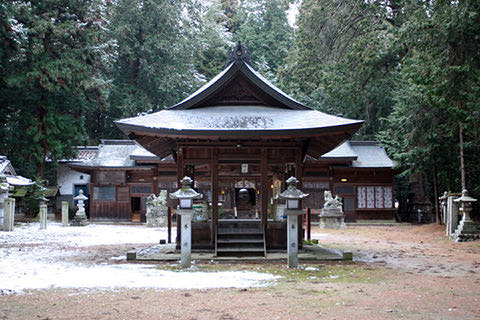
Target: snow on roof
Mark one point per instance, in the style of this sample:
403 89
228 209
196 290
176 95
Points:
370 155
236 118
84 153
118 154
19 181
113 154
342 151
206 85
6 166
271 85
141 153
364 154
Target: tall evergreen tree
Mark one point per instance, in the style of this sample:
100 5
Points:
48 59
154 66
263 28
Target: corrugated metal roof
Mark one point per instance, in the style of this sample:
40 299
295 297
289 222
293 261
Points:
370 155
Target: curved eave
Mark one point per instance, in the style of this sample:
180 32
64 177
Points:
300 132
223 78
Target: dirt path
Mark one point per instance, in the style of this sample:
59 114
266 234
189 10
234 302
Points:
404 272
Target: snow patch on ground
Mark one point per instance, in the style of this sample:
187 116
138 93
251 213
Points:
32 259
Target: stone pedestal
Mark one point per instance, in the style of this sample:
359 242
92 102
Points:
43 216
65 213
157 210
186 236
292 236
467 230
332 218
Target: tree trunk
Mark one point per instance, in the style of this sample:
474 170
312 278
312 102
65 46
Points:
462 158
435 193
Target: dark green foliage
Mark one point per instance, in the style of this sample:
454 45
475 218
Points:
49 55
34 196
263 28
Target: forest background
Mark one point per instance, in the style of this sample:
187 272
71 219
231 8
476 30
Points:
409 68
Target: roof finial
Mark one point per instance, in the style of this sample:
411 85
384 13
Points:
239 53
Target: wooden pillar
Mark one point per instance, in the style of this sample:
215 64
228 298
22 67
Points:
264 186
180 175
91 199
155 180
214 190
299 176
308 218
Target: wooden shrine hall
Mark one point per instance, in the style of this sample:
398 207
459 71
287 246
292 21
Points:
239 138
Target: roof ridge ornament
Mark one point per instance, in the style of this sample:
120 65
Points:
239 53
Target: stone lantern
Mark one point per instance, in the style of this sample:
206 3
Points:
80 218
185 195
467 229
292 196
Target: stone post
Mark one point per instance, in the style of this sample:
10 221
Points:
292 237
80 218
186 236
452 216
65 207
9 214
186 195
43 216
4 188
292 196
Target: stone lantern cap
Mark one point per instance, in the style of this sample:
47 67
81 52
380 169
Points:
292 192
80 196
186 191
465 197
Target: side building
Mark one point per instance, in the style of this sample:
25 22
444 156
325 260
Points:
119 175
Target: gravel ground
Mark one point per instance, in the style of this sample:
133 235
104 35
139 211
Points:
399 272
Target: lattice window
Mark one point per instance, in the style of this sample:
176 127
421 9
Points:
374 197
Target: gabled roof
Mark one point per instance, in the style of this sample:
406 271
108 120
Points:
362 154
6 166
240 69
116 154
239 104
370 155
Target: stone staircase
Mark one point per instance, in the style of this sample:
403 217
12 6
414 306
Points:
240 238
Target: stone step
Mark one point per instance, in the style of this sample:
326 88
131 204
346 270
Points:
231 241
